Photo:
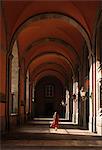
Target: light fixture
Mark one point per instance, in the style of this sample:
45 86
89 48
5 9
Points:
63 103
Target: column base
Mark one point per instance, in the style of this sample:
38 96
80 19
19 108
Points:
75 118
99 122
67 115
94 125
90 123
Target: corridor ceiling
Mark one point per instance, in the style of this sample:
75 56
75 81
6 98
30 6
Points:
50 34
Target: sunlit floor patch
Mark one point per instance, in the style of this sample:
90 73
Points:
58 131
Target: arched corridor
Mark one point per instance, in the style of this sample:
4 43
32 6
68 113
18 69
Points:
51 61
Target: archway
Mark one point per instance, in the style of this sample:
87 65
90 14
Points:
48 95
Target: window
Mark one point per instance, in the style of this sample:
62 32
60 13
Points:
49 90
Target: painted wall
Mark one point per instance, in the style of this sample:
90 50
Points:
2 73
2 88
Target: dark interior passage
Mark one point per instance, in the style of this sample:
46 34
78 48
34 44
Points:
49 93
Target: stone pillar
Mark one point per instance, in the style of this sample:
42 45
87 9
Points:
91 94
33 90
14 78
75 101
18 121
99 104
10 74
67 104
79 99
21 92
74 105
27 92
99 112
94 94
84 115
98 48
83 105
33 100
9 62
30 99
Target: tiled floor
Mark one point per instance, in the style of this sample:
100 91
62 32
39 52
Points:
42 137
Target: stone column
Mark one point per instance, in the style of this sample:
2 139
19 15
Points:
27 92
99 101
9 62
10 74
75 101
79 99
33 100
30 98
74 105
84 117
33 90
91 93
67 104
22 92
98 47
94 94
18 121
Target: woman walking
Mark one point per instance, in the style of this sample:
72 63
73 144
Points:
55 121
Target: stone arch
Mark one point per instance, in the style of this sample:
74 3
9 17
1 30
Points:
49 64
64 17
52 54
52 39
59 75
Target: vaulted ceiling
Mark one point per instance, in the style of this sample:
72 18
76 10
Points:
50 34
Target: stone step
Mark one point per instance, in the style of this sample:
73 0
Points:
48 122
63 123
47 118
50 119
